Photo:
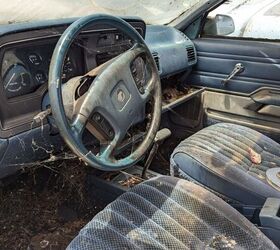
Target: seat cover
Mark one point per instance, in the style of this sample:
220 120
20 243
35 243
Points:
169 213
231 160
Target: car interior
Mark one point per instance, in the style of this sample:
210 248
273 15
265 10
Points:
180 127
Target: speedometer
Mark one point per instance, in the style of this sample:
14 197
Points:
17 81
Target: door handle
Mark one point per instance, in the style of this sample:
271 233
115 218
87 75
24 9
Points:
238 68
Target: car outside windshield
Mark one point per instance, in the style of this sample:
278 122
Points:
152 11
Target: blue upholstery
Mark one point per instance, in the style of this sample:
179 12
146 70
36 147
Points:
169 213
220 158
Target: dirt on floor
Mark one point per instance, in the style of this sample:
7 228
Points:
44 208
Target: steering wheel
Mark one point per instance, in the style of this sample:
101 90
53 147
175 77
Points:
113 101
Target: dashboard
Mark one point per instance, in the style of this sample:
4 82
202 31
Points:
25 65
25 55
26 51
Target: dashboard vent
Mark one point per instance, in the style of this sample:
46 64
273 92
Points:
156 58
191 53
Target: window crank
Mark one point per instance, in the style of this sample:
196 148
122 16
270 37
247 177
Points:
238 68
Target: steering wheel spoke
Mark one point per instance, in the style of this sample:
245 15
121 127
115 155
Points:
107 151
148 92
78 126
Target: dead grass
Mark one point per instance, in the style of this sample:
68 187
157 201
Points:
45 207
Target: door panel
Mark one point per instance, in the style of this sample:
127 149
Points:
251 98
221 107
217 58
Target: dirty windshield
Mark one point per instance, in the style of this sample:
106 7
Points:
153 12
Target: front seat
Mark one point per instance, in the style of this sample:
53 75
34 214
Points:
230 160
169 213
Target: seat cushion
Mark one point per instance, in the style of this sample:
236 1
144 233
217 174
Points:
231 160
169 213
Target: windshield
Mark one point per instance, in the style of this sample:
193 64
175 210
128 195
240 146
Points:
152 11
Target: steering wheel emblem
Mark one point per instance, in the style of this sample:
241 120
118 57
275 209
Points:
121 96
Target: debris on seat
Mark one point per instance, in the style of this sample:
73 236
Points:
255 157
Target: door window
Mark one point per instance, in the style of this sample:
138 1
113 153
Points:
257 19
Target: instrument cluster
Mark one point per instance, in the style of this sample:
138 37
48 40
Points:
25 68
